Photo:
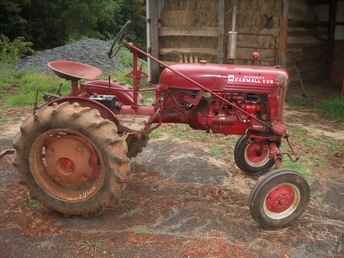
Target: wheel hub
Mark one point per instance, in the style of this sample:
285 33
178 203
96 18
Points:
257 154
70 160
66 165
280 199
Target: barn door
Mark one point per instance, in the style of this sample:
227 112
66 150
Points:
187 31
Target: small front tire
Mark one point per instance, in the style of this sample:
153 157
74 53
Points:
252 158
279 199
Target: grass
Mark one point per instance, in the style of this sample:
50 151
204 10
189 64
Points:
315 151
18 89
142 230
333 108
299 166
34 204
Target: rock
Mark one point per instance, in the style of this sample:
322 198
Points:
183 163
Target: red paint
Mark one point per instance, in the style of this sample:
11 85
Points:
237 96
280 199
257 152
142 110
66 164
252 79
123 94
73 70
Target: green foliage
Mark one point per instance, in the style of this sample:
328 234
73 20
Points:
52 23
30 83
11 51
12 22
19 89
297 166
333 108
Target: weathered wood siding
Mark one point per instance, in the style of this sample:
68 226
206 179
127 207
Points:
307 52
190 29
257 17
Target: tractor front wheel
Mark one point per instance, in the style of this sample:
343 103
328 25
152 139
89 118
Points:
251 157
279 198
73 159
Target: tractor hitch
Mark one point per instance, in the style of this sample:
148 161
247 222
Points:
292 155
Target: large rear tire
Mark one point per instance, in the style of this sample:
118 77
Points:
73 159
279 198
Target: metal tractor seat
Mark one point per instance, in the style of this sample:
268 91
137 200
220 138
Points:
74 71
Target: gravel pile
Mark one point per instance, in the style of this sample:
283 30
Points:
88 51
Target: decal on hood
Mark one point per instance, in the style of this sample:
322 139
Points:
233 78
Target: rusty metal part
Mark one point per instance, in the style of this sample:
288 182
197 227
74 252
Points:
276 154
66 165
7 152
294 157
70 160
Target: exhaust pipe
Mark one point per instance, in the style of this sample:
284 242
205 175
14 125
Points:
233 34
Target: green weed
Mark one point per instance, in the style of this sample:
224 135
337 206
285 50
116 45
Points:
333 108
34 204
217 151
142 230
19 89
297 166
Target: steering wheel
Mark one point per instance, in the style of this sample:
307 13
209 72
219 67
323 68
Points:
117 43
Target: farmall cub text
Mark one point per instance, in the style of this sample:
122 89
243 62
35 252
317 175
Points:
74 151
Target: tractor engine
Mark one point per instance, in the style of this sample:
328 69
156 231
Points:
222 118
260 91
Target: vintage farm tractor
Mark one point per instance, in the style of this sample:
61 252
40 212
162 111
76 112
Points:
74 151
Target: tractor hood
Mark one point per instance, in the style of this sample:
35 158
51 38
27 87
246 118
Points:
224 77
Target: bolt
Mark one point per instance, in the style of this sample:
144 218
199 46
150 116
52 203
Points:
85 178
80 149
58 179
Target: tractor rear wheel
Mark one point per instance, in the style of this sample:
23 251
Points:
73 159
252 158
279 198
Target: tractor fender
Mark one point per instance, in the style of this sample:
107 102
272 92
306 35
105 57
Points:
104 111
124 94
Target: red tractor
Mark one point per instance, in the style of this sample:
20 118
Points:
75 150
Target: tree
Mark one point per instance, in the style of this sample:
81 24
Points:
12 24
51 23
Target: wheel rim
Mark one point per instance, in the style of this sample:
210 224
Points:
257 154
282 201
66 165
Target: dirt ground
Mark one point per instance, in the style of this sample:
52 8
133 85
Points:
185 199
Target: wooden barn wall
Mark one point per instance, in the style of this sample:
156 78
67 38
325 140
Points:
181 22
307 45
189 29
257 17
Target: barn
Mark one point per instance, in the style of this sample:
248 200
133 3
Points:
306 36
